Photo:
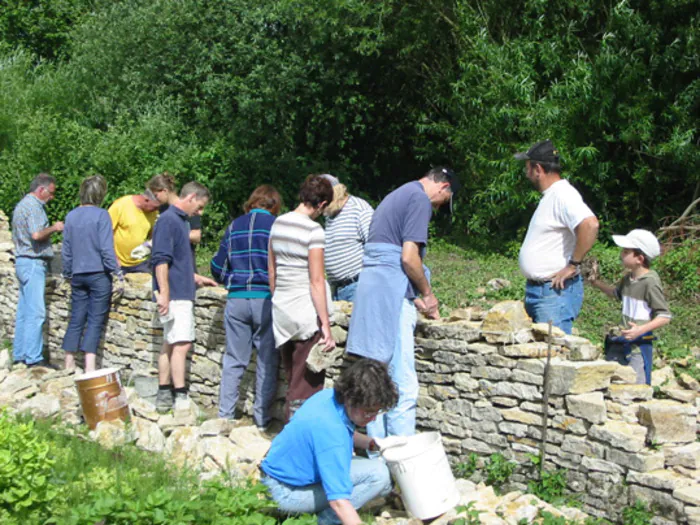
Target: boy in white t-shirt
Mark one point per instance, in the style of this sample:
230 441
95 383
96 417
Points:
561 232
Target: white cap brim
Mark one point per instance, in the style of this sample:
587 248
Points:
624 242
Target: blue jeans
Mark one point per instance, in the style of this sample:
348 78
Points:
28 344
543 303
90 298
401 420
345 293
248 323
370 479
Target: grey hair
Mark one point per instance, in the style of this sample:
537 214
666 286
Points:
200 191
93 190
42 180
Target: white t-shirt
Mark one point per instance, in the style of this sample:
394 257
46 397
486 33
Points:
293 313
551 239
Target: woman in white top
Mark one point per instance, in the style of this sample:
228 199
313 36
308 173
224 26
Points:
300 294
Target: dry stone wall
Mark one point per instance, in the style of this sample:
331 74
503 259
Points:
482 384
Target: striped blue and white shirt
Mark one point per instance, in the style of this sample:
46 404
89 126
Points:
28 218
241 262
346 235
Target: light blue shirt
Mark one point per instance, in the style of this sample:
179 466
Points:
315 447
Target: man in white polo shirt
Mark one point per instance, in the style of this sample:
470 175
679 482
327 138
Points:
561 232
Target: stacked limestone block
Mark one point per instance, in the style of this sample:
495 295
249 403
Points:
482 388
8 282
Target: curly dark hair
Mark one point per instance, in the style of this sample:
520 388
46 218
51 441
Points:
366 384
315 190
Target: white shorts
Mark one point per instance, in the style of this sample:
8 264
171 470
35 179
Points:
178 325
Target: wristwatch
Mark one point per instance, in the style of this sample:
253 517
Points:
574 263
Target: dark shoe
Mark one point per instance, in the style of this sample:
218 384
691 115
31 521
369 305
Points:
43 363
164 401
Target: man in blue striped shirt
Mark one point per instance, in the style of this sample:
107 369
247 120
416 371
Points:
31 234
347 228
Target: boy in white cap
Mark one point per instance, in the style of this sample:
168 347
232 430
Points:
644 307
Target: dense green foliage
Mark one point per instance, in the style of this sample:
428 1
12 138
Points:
49 477
238 93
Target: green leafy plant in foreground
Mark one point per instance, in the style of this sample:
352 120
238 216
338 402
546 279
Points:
50 478
26 466
498 470
466 468
637 514
472 515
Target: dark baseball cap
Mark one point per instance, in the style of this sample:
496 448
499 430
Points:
455 185
543 151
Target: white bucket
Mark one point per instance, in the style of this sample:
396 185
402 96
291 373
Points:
421 469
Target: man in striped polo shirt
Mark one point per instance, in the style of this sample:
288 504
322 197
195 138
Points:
347 228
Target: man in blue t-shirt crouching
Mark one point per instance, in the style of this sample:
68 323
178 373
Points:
310 467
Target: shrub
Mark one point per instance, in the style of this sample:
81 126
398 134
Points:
27 491
550 487
498 470
681 265
637 514
466 468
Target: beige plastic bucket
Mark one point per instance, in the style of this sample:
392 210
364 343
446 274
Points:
421 470
102 396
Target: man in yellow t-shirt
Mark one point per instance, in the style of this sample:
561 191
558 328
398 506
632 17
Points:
133 217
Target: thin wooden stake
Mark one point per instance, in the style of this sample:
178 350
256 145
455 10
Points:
545 399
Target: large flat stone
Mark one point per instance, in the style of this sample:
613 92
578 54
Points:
687 456
535 349
690 495
520 416
516 390
148 435
659 479
626 436
661 501
668 421
583 447
465 331
580 377
590 406
507 322
184 447
639 461
626 394
41 406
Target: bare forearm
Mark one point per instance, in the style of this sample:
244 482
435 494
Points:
604 287
654 324
361 441
586 234
44 234
345 512
271 268
318 297
162 271
195 236
413 266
